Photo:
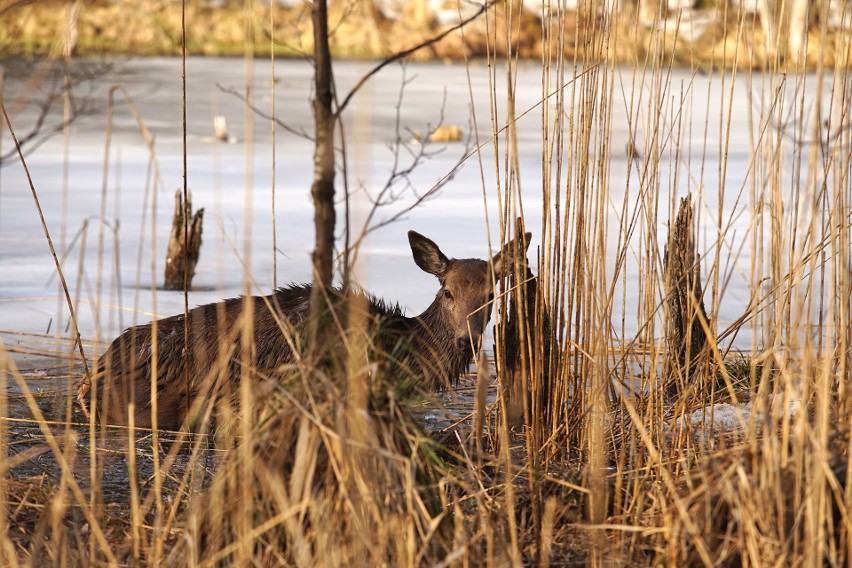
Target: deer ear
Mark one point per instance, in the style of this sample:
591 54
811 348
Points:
505 259
427 255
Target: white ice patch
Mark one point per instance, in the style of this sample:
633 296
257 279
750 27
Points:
724 417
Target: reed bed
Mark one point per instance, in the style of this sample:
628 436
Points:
328 461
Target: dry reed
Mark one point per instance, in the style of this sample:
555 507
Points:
331 467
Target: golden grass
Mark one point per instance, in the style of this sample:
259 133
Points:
359 29
332 467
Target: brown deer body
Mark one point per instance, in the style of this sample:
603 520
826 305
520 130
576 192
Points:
433 348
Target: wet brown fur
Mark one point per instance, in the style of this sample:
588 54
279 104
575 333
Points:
433 348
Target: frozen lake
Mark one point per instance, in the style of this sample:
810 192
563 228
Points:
99 216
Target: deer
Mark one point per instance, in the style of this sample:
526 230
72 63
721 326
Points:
432 349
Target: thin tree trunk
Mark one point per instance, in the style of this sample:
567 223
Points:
322 189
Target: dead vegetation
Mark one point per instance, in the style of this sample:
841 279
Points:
712 36
330 464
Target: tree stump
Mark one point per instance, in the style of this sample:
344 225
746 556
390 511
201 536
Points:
184 245
685 333
527 328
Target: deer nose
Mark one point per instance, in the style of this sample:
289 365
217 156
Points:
476 323
470 343
464 344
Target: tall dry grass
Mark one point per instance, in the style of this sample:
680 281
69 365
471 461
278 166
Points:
662 488
329 464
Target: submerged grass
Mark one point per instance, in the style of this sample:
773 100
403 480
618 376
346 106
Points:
330 465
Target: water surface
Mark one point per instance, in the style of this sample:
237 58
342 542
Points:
108 208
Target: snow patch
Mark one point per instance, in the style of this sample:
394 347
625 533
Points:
725 417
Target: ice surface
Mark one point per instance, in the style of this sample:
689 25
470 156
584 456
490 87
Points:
724 417
112 276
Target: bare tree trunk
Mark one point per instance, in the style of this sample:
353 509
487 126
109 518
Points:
184 245
685 333
322 189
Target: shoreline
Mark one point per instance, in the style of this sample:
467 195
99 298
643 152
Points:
696 38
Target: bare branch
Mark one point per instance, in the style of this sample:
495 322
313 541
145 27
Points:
405 53
418 149
264 115
81 107
393 58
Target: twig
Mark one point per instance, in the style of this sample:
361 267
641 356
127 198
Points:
37 135
262 114
405 53
77 339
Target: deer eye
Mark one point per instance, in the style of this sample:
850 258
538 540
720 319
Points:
447 294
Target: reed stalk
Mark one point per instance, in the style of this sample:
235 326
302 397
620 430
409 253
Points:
325 461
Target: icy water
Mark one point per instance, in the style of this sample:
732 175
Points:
99 215
98 194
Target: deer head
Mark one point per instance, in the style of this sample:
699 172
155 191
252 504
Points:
462 307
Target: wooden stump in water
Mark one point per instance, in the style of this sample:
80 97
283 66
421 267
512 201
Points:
184 246
523 375
685 335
